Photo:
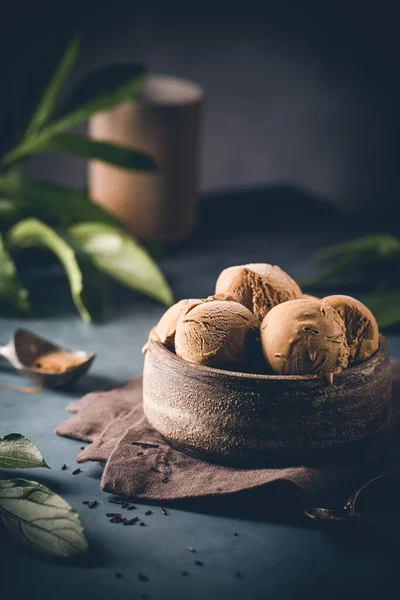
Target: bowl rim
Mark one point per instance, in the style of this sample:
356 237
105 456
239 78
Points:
162 349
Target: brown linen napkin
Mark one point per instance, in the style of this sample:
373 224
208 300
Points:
141 464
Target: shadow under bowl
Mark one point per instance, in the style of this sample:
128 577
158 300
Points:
247 419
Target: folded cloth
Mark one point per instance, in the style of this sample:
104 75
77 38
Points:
139 462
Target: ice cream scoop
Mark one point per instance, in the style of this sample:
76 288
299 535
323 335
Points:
361 327
219 333
165 329
304 336
259 287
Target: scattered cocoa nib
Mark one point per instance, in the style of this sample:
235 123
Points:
82 447
118 575
64 468
124 505
239 575
131 507
142 577
184 573
145 445
191 549
112 515
142 524
118 519
93 504
199 563
130 521
85 502
76 471
235 533
139 453
148 512
164 512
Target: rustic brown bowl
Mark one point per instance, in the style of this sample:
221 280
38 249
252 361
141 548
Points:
245 419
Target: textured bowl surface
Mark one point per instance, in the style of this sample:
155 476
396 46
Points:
242 418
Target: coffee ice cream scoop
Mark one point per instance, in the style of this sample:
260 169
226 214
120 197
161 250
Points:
218 333
259 287
361 327
304 336
165 329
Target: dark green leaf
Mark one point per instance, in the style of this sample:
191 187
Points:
123 258
54 203
385 305
86 282
47 103
10 211
13 295
114 154
99 91
17 452
40 519
380 244
356 257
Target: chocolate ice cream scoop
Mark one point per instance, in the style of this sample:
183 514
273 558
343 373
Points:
304 336
259 287
165 329
219 333
361 327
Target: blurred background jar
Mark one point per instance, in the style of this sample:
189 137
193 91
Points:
164 122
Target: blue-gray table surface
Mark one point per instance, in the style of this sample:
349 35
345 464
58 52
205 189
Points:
277 558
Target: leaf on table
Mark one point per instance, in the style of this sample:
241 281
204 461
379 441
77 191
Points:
17 452
47 103
85 280
40 519
54 203
99 91
123 258
13 295
384 303
111 153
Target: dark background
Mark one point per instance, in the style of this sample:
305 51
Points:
299 93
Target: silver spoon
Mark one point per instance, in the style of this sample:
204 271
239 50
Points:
25 348
348 512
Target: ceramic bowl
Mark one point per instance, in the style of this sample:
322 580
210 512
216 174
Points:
241 418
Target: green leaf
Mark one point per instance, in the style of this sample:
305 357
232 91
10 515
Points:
102 90
56 204
17 452
355 256
40 519
379 244
385 305
47 103
86 282
123 258
114 154
13 295
10 211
